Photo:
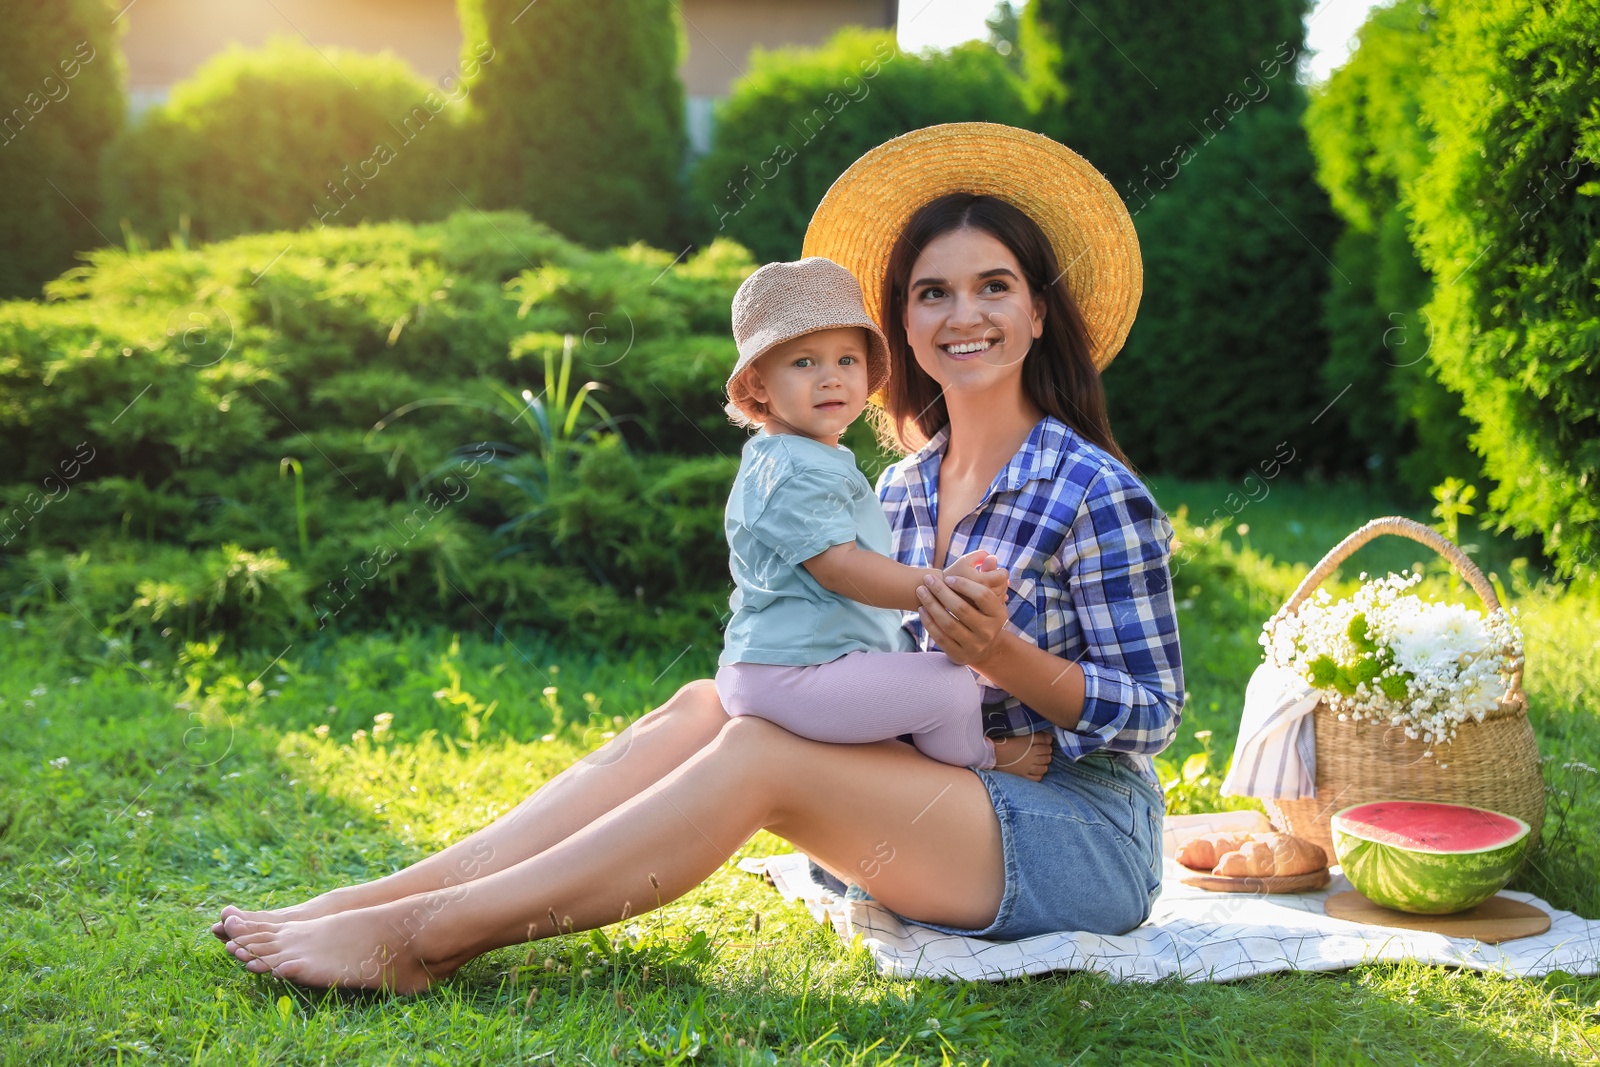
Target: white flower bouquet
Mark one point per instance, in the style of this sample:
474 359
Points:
1386 655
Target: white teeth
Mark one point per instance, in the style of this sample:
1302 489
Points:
972 346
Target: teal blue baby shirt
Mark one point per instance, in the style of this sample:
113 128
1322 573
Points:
793 498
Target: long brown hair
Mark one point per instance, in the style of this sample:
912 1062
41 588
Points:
1058 373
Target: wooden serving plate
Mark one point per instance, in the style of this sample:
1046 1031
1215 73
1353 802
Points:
1287 883
1496 919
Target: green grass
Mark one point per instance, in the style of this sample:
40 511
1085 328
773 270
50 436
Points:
1298 522
135 799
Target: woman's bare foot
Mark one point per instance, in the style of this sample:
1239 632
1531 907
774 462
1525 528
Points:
368 948
1027 755
346 898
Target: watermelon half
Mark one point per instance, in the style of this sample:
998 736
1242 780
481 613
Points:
1426 857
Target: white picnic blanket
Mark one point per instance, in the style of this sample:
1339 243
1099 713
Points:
1198 935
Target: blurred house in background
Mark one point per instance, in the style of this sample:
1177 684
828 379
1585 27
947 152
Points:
722 33
167 39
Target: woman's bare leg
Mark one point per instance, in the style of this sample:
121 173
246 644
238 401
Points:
636 758
921 835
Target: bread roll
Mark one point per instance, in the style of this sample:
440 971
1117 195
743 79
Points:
1278 855
1253 859
1202 853
1272 855
1295 855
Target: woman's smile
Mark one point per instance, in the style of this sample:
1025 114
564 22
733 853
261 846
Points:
969 349
967 301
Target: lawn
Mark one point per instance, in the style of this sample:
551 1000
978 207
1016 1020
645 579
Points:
138 796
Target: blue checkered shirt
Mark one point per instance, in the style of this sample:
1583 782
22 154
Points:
1087 548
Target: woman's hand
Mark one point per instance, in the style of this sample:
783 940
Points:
965 618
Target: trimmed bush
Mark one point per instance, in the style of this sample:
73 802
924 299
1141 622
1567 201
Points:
354 435
799 117
1126 82
1508 220
1192 112
1224 361
61 91
287 136
581 116
1365 128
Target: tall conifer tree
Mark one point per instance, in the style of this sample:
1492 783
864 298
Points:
1192 110
581 114
1125 82
61 88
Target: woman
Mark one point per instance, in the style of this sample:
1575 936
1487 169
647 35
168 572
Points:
995 357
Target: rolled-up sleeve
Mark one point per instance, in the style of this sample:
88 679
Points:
1115 564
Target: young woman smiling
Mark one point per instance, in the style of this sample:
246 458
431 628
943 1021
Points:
1005 273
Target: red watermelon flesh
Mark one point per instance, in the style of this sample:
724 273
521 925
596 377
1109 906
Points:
1426 826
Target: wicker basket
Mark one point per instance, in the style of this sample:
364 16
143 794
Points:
1493 764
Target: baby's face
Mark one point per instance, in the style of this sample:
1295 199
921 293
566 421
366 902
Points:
814 384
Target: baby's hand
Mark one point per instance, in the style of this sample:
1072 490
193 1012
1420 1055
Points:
981 567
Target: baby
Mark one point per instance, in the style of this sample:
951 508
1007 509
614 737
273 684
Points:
815 643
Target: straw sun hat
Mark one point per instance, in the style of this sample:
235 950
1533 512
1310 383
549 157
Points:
1085 220
782 301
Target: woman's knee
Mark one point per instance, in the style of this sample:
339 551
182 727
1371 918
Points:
697 700
761 754
753 742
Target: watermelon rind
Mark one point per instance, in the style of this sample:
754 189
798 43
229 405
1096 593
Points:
1425 882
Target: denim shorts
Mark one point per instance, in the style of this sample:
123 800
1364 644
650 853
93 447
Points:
1082 849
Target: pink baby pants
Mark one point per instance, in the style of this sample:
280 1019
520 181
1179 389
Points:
867 696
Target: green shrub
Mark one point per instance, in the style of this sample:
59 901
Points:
1193 113
581 115
1365 128
1508 220
61 88
344 414
1222 365
1125 82
800 116
288 135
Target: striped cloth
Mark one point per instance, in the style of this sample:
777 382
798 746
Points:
1276 753
1087 549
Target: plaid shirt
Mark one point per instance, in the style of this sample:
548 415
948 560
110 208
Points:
1087 548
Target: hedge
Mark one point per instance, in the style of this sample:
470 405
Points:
286 136
1366 130
1126 82
1508 220
799 117
581 117
61 87
1223 364
199 445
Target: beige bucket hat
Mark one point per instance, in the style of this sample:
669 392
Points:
782 301
1085 220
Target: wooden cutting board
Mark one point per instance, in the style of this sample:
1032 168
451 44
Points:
1496 919
1286 883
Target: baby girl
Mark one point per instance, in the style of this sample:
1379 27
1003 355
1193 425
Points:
815 642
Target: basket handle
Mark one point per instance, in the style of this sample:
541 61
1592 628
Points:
1400 526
